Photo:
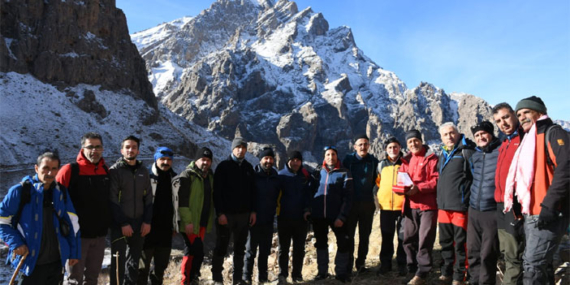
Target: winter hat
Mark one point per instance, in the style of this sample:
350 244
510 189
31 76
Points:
483 126
533 103
413 134
238 141
391 140
266 151
203 152
361 136
295 154
163 152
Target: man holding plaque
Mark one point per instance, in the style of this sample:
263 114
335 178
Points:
420 207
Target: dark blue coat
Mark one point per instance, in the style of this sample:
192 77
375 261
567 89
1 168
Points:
333 197
364 173
483 166
296 195
267 190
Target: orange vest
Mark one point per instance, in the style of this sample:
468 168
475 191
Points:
543 174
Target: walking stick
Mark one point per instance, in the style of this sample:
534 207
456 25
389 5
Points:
117 267
18 268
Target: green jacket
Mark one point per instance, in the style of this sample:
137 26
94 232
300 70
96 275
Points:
190 186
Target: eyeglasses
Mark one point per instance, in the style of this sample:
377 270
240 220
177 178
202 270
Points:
329 147
94 147
167 153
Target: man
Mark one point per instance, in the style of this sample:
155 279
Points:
261 234
390 208
37 220
295 208
539 175
158 243
131 202
453 190
234 201
362 166
330 208
482 236
420 207
88 182
196 210
509 224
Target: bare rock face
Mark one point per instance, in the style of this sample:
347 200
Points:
72 42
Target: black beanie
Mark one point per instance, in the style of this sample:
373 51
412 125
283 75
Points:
413 134
266 151
203 152
238 141
391 140
533 103
483 126
361 136
295 154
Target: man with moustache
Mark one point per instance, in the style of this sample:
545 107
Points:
267 188
390 208
295 208
362 166
131 203
453 190
158 243
87 181
32 216
196 211
482 236
539 175
420 207
330 208
234 201
509 224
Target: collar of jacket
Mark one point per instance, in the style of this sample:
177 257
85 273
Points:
259 171
490 146
123 163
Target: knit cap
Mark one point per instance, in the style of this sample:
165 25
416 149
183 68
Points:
203 152
391 140
533 103
483 126
266 151
413 134
295 154
238 141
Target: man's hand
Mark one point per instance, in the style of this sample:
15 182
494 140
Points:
338 223
21 250
189 229
72 262
306 216
413 191
252 219
222 220
545 217
127 231
145 229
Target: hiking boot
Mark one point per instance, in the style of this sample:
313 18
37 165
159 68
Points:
402 271
383 271
343 279
320 277
417 281
282 280
445 279
297 279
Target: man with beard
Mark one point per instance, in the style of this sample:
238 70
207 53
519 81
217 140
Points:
196 211
261 234
510 224
294 210
539 175
362 166
234 201
390 208
88 182
158 242
330 208
131 202
482 236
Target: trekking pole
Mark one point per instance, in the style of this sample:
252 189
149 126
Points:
18 268
117 267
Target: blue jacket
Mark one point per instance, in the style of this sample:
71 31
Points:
454 182
267 190
483 166
29 228
364 173
295 198
333 197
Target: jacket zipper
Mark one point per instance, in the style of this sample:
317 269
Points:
326 185
481 184
135 193
394 177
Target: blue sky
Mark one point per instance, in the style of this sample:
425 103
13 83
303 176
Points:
498 50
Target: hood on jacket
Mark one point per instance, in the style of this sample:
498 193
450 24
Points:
82 160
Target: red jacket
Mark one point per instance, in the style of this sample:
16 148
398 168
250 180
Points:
506 153
422 168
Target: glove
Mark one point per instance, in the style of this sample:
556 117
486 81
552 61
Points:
545 217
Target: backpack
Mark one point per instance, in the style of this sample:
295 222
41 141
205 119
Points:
548 149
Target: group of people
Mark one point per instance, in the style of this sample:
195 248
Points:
490 198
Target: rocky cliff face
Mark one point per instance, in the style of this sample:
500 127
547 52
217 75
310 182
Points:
280 76
71 42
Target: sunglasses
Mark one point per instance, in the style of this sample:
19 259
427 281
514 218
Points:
329 147
167 153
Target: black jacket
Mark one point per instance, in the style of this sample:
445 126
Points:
296 195
483 166
234 187
454 183
267 188
364 173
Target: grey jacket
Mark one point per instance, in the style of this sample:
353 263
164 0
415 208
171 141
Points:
130 194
